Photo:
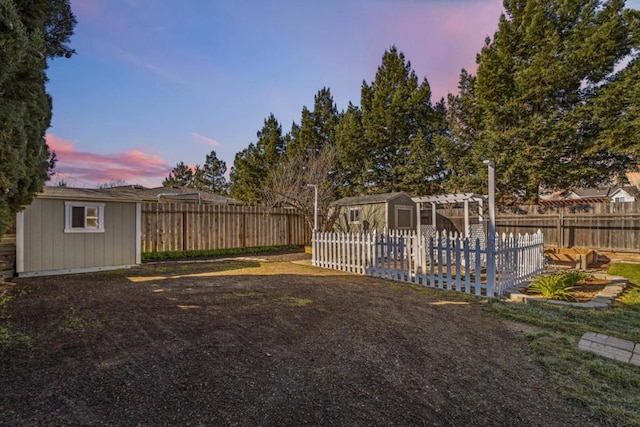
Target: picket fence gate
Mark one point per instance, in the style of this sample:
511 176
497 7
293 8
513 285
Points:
442 261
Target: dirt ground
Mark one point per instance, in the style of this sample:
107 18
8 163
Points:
245 342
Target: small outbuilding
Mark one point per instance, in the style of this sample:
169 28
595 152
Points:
74 230
393 211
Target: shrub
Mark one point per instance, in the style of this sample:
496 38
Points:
555 286
573 277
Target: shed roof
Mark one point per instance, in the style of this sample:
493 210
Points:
368 199
93 194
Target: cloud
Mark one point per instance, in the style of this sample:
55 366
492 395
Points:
134 167
140 62
204 139
438 38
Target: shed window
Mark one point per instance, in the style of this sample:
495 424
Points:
84 217
354 215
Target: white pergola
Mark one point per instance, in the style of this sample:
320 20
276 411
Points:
443 199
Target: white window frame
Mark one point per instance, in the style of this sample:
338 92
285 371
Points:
404 208
359 212
68 217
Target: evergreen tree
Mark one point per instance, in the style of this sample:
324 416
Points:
317 128
547 97
252 165
181 175
350 156
210 177
31 33
396 111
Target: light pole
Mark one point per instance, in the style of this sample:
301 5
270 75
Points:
315 206
491 229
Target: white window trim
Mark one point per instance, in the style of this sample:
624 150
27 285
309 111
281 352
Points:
404 208
68 208
359 213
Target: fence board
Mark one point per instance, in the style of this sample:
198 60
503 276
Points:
187 227
600 226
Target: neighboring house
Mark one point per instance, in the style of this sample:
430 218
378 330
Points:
599 194
173 194
625 194
581 196
376 212
73 230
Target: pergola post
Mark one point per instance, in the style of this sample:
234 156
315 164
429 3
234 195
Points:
433 215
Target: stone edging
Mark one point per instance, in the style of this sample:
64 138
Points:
603 299
611 347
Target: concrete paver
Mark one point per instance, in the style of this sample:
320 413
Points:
610 347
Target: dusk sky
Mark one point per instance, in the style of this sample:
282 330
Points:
156 82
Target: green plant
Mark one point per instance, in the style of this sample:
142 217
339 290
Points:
555 286
573 277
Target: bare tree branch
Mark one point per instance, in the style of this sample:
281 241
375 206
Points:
287 184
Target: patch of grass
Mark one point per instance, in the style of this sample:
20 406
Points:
630 271
294 302
174 255
9 337
609 389
75 320
631 298
71 321
247 294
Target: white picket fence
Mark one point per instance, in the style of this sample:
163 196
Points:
443 261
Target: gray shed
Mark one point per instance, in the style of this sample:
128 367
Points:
393 211
74 230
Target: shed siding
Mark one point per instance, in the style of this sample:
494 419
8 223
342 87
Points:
371 215
47 247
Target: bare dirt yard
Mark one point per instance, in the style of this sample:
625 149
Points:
247 342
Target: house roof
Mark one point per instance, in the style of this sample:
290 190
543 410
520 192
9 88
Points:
591 192
368 199
631 190
129 193
187 194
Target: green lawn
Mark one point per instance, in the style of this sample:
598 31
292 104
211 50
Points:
610 389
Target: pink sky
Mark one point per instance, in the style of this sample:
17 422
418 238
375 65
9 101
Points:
82 169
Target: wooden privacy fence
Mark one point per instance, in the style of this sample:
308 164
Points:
443 261
602 226
191 227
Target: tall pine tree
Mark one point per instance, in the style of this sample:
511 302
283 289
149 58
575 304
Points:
547 98
210 176
252 165
397 115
